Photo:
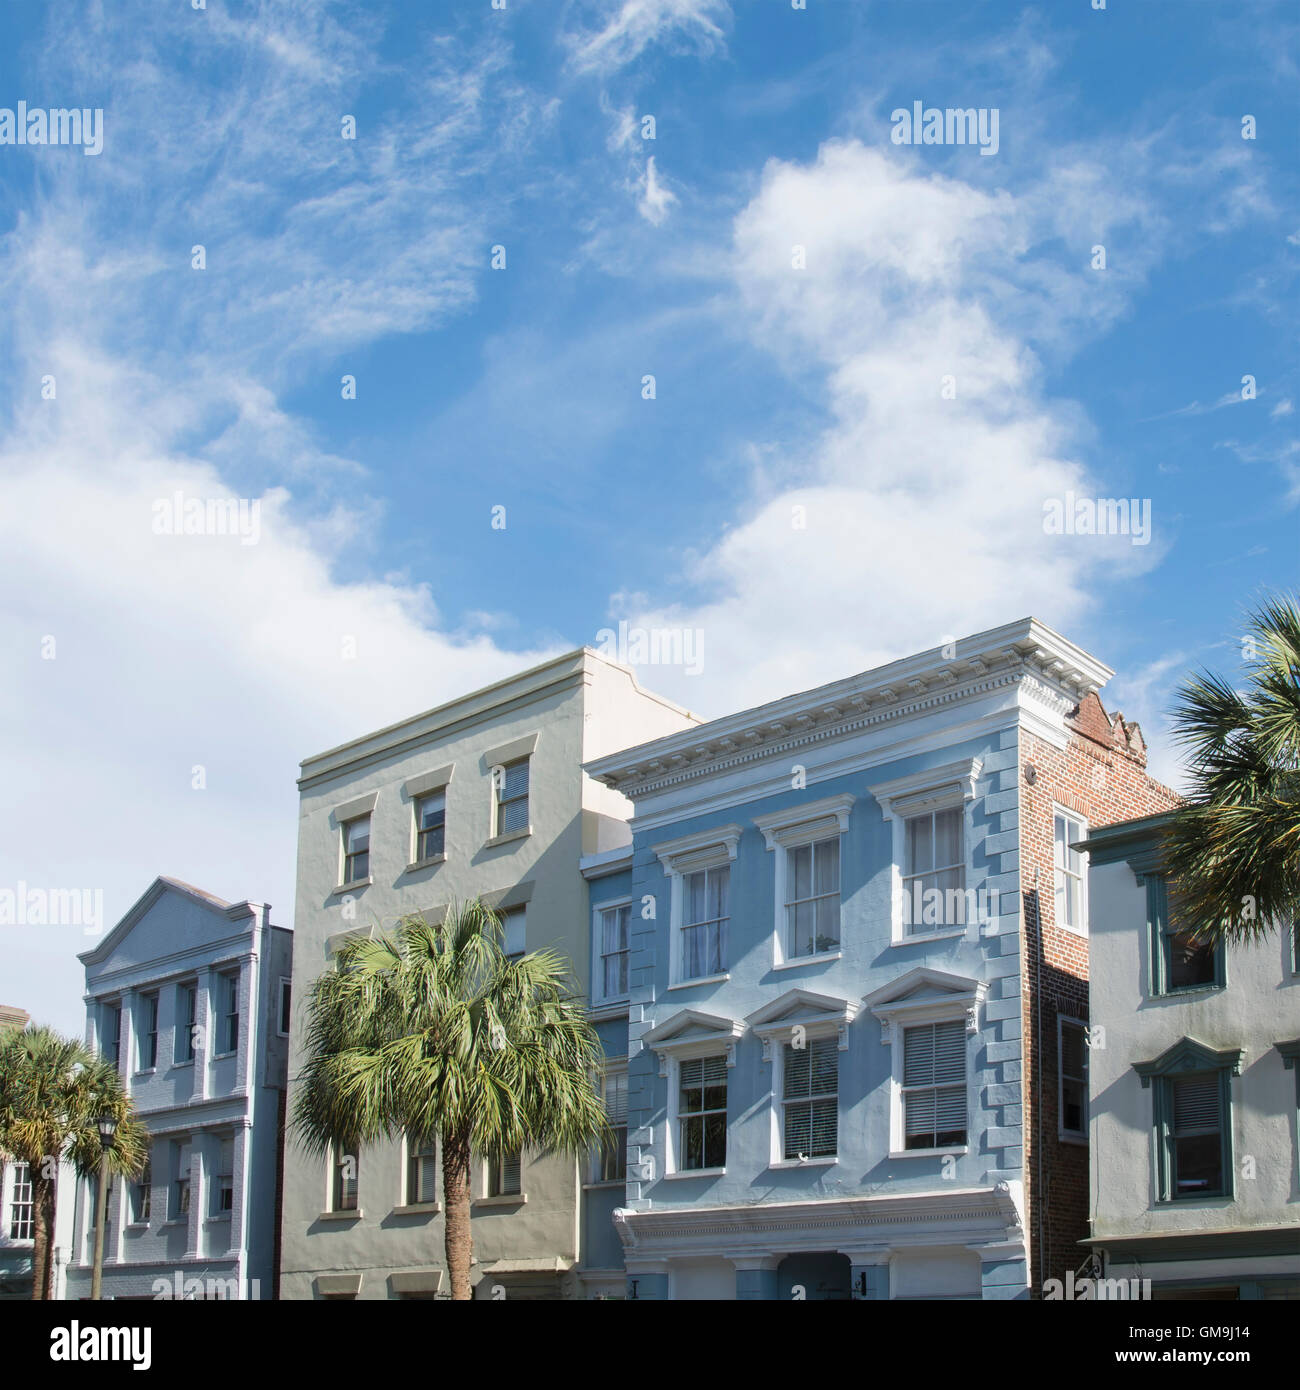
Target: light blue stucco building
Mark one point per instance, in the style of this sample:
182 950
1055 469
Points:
825 1087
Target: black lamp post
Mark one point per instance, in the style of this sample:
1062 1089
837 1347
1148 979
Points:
107 1126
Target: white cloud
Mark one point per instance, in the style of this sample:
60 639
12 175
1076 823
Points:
634 25
656 197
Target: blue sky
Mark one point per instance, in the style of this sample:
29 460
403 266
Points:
776 388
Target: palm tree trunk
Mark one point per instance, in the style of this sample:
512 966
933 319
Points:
51 1243
459 1238
42 1227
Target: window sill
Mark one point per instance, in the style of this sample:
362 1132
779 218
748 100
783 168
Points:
804 1162
223 1219
341 1215
1186 992
614 1184
510 1199
425 863
144 1225
418 1209
508 838
609 1008
696 1173
703 980
221 1056
919 938
796 961
1074 931
1080 1139
175 1221
180 1066
928 1153
351 887
144 1071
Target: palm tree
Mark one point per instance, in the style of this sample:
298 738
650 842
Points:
1233 852
53 1090
434 1031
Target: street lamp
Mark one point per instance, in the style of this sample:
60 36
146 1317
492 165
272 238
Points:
107 1126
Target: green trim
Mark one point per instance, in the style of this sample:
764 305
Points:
1203 1245
1184 1059
1112 844
1290 1055
1160 934
1188 1055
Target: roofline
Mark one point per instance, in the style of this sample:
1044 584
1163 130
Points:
1121 833
163 884
335 760
1069 666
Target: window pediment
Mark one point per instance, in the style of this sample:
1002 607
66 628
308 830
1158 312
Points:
924 995
705 849
692 1033
812 820
816 1014
1188 1055
931 789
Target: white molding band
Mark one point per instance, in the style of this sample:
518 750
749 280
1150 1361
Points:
816 1014
931 789
814 820
924 995
709 1032
706 849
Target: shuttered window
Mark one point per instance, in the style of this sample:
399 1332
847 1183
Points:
613 1159
504 1176
421 1171
934 1085
1196 1135
811 1102
512 798
702 1113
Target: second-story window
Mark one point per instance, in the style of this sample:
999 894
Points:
344 1183
229 1020
810 1098
705 919
934 1085
1194 1138
148 1031
812 904
142 1195
615 924
1068 830
112 1033
223 1192
356 850
702 1113
180 1203
934 872
187 996
421 1171
514 922
613 1158
503 1176
512 797
430 825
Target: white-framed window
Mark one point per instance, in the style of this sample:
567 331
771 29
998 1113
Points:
934 1085
505 1175
22 1204
613 934
810 1104
142 1195
1070 870
1072 1077
187 996
421 1171
515 922
928 812
228 1020
179 1206
223 1187
345 1177
111 1020
149 1031
511 785
934 871
284 1014
701 1113
356 849
807 842
612 1165
706 917
430 825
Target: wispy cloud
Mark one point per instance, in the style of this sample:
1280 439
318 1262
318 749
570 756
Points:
624 31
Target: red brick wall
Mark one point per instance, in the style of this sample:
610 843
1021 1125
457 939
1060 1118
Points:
1102 776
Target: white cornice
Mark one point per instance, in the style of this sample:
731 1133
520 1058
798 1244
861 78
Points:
941 995
795 824
698 850
804 1009
709 1032
1009 656
914 791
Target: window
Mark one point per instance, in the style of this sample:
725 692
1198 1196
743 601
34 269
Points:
810 1099
180 1203
1072 1088
515 922
284 1014
22 1205
112 1033
812 905
223 1190
1194 1139
186 1004
503 1176
613 1157
142 1195
1070 880
430 825
615 924
934 875
705 917
149 1032
512 798
356 850
934 1085
1180 961
702 1113
229 987
345 1180
421 1172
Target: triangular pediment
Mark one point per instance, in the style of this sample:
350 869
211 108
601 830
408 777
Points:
1188 1055
801 1005
168 913
692 1025
923 985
